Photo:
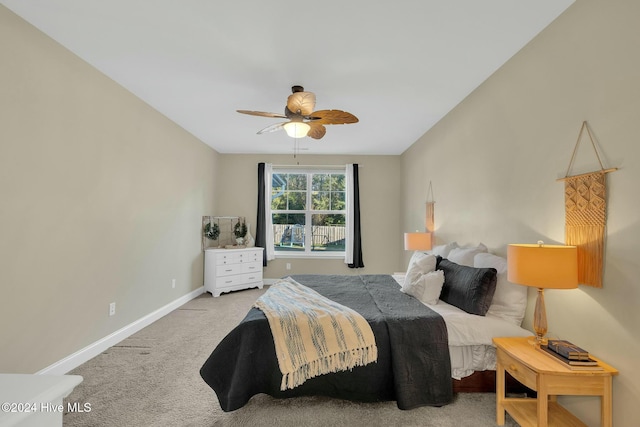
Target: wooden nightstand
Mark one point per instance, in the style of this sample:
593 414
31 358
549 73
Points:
540 372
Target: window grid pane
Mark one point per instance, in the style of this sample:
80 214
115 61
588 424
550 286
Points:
309 221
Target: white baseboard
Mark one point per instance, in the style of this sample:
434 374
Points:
76 359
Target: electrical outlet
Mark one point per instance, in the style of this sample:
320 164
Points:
173 283
112 309
288 266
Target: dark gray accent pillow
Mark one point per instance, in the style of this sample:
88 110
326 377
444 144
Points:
468 288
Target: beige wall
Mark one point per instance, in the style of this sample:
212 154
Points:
101 201
379 199
495 159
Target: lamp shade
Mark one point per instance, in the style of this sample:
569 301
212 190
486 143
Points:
417 241
297 129
543 266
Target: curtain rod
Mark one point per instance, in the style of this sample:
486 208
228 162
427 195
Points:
314 166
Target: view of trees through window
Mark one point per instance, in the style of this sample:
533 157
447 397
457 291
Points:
309 211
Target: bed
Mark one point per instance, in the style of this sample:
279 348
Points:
426 351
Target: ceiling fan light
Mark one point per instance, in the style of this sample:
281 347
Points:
297 129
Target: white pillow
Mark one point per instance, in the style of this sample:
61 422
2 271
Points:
443 250
427 287
432 286
464 256
510 299
419 264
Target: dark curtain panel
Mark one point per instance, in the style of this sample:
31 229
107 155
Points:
261 236
357 244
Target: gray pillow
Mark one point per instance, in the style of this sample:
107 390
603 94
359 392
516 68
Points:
468 288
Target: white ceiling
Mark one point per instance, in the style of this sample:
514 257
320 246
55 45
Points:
398 66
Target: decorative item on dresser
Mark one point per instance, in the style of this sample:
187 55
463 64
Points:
249 241
228 270
211 231
220 231
240 231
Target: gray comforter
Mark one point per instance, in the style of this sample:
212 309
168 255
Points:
413 364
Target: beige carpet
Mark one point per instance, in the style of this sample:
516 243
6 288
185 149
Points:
152 379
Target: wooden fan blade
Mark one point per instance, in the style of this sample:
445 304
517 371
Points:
333 117
262 114
317 130
301 103
272 128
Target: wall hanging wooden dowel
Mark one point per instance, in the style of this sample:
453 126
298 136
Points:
586 216
430 217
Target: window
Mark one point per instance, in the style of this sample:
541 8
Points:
308 210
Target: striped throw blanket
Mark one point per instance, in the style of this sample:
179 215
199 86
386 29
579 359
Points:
312 334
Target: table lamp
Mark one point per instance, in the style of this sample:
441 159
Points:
543 267
417 241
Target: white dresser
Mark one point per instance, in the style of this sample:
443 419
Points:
232 269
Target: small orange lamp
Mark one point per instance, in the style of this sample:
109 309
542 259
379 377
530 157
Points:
543 267
417 241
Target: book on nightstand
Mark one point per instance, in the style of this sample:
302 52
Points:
576 365
568 350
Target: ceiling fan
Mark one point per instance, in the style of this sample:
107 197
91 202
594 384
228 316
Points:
303 121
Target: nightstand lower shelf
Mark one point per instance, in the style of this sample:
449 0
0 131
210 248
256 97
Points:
524 411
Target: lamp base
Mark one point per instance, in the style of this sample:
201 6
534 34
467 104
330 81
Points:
537 341
540 319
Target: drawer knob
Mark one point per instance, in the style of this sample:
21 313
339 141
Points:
513 367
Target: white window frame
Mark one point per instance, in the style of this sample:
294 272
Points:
309 171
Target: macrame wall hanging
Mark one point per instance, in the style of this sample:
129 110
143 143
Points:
430 221
586 215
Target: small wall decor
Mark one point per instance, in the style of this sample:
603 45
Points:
586 216
430 217
219 231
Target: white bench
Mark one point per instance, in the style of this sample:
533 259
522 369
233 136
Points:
34 400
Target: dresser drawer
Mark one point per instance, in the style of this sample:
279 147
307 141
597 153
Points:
253 256
224 283
252 277
228 270
238 258
252 267
224 259
227 282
